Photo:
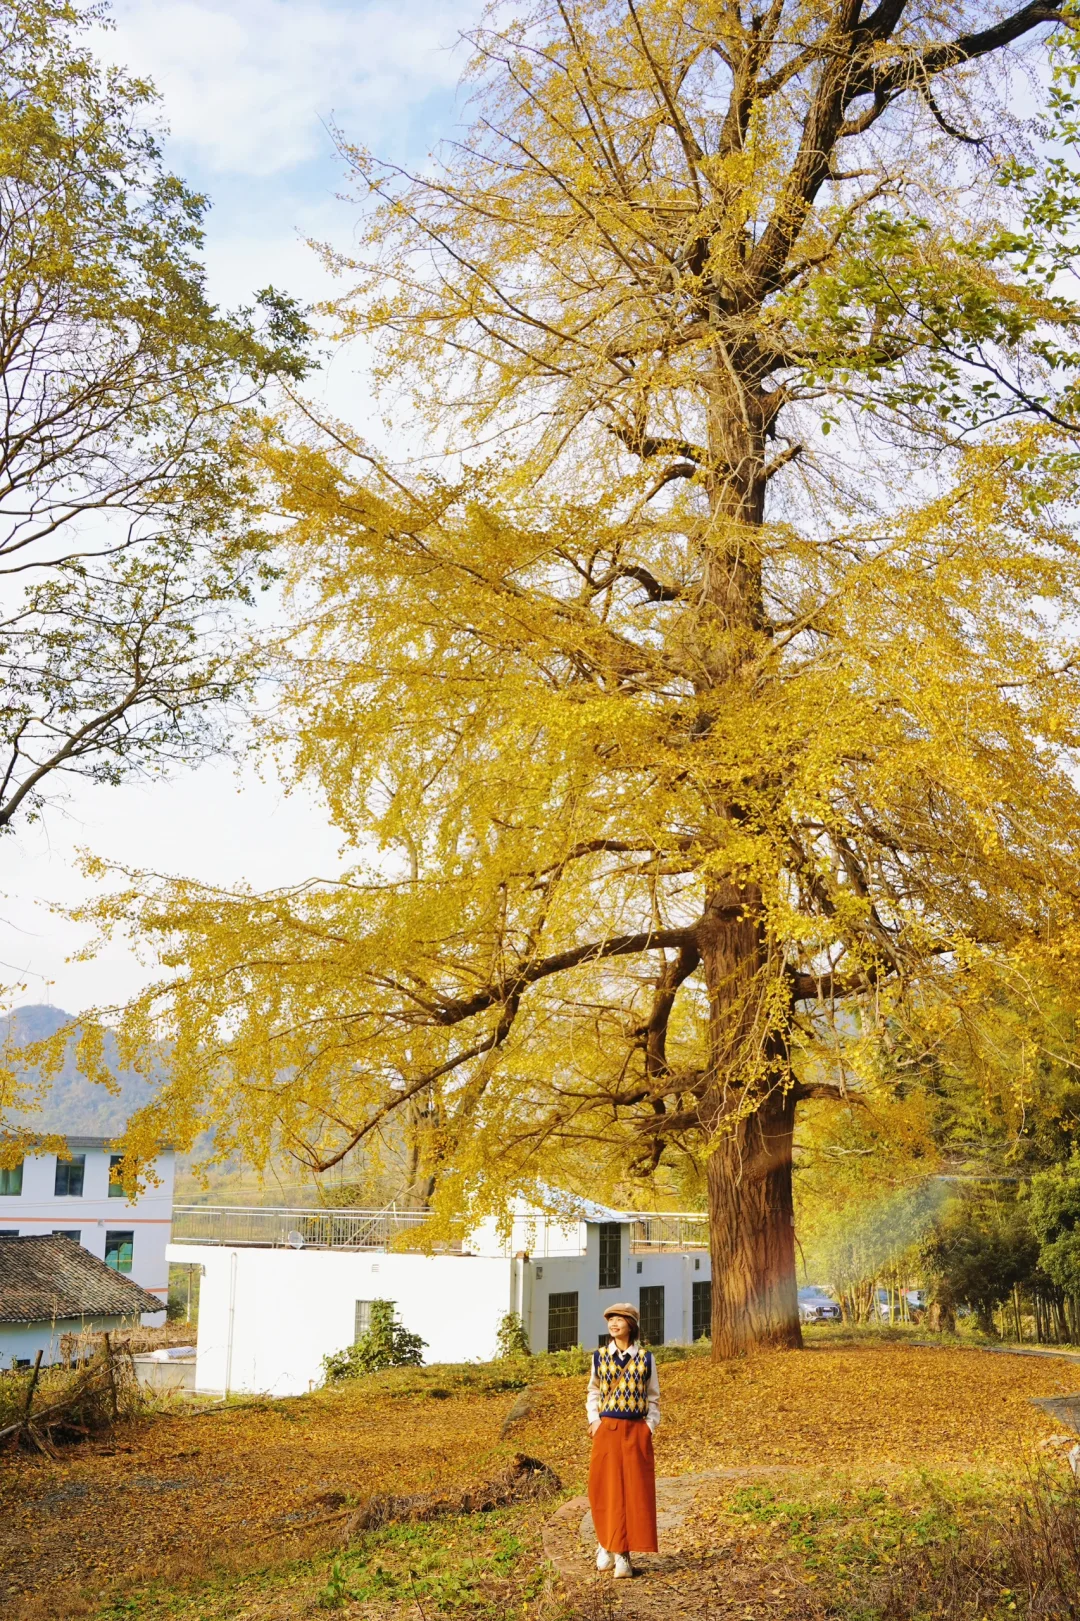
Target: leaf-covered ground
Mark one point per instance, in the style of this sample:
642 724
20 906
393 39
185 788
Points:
238 1512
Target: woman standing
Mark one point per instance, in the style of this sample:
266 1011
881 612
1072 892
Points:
623 1405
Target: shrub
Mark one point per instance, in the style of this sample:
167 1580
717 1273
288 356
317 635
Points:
512 1339
386 1344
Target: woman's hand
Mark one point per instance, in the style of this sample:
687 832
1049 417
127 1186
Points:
594 1426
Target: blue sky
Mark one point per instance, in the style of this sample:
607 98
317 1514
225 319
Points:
249 88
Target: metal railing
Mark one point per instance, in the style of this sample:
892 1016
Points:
284 1228
677 1230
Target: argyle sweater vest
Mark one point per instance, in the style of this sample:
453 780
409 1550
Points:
623 1377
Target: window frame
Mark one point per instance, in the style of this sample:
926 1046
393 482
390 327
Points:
563 1334
11 1173
114 1239
610 1237
361 1318
701 1310
647 1310
64 1171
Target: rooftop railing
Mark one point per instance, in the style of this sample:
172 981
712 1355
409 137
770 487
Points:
670 1231
284 1228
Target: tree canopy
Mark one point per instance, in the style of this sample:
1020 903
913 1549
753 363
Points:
123 531
720 680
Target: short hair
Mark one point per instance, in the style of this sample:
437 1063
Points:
633 1333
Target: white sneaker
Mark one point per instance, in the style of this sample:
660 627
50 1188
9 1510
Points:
623 1567
604 1560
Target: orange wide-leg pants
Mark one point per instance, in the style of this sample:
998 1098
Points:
622 1486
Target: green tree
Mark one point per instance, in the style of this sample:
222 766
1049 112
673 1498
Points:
1054 1213
981 1249
512 1339
123 546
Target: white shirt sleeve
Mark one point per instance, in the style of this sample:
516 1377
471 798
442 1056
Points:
592 1395
652 1418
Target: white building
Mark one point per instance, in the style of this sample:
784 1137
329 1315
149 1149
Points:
282 1288
47 1194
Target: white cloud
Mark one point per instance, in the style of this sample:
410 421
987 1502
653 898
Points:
249 85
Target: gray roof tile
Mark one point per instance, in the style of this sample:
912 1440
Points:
43 1279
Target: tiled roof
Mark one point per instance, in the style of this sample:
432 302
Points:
43 1279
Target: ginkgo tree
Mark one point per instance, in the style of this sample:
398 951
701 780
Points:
720 675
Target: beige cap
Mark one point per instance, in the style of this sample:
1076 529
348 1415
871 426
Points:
623 1309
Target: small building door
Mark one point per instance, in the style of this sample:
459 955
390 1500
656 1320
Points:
701 1311
651 1307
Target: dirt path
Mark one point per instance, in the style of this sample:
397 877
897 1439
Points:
570 1545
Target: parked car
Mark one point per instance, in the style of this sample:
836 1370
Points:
916 1305
816 1305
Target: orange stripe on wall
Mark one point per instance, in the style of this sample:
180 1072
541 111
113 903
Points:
136 1221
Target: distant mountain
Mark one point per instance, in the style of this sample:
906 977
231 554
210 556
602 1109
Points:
74 1105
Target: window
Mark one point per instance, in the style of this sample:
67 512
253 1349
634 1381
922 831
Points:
116 1189
697 1263
651 1307
639 1267
9 1232
69 1175
610 1255
562 1321
118 1251
362 1318
11 1178
68 1232
701 1311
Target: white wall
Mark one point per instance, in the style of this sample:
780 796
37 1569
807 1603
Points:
267 1317
20 1342
39 1210
676 1272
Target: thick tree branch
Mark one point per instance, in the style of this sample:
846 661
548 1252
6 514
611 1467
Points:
668 476
411 1089
622 945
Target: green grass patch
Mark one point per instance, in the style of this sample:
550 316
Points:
862 1528
925 1546
477 1567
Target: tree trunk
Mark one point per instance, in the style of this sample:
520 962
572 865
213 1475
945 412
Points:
942 1317
749 1113
752 1232
748 1110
